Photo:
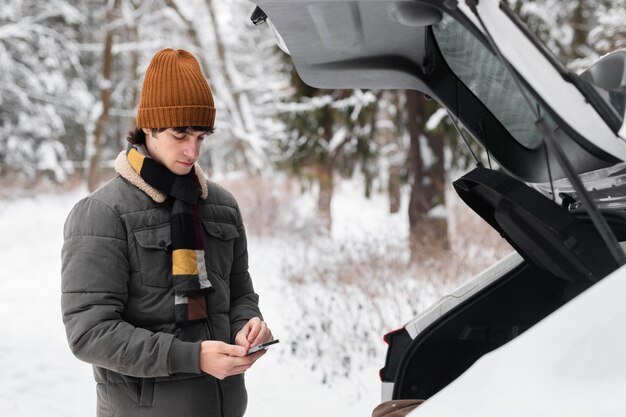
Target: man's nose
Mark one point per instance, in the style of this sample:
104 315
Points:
192 149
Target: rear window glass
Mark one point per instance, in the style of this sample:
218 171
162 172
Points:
489 80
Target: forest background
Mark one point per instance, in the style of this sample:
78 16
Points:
71 71
70 77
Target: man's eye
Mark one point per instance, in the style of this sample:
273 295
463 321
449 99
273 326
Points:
179 137
201 138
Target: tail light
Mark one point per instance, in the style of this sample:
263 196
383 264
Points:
398 342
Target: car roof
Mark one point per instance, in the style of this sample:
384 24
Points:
378 44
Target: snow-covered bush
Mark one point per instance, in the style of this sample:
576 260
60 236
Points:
342 296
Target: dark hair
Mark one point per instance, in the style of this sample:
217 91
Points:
138 137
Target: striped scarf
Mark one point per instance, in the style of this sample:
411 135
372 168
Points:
189 276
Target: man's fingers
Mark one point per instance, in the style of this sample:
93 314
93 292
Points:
242 340
255 325
238 350
265 335
249 361
221 359
241 364
231 350
252 336
260 335
254 332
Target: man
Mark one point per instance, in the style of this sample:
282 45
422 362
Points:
155 283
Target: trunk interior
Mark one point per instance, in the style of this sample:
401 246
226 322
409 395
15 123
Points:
563 256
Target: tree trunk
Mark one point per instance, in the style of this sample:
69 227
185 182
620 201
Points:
581 30
191 33
238 96
416 212
325 180
427 235
93 178
326 171
395 199
434 192
223 87
134 70
389 139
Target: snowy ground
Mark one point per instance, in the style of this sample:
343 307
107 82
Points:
39 375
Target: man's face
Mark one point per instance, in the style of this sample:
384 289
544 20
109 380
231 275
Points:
176 151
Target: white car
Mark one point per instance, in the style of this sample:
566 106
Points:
558 198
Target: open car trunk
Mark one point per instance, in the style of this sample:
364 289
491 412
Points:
563 255
499 88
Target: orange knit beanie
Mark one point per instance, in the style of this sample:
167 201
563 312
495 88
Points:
175 93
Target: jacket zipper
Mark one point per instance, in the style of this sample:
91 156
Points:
220 392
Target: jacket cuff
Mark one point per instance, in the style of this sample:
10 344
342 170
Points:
235 327
184 357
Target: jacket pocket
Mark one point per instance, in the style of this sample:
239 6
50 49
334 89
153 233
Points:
154 254
219 241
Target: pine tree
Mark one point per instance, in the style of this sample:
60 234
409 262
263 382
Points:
326 130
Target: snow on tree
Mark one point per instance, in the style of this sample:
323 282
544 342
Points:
41 86
70 76
578 32
326 130
240 61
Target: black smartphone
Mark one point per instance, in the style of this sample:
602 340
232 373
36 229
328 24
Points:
261 346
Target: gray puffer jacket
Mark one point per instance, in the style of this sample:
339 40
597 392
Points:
118 305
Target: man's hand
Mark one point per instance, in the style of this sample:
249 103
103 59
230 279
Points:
254 332
221 359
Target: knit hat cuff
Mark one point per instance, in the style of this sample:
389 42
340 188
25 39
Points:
175 116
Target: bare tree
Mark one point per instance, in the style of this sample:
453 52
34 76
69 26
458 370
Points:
106 86
219 71
133 36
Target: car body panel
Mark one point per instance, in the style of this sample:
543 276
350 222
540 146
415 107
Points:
571 364
563 256
465 291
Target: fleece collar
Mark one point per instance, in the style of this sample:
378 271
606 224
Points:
126 171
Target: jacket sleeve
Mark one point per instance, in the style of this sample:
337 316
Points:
95 273
244 302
